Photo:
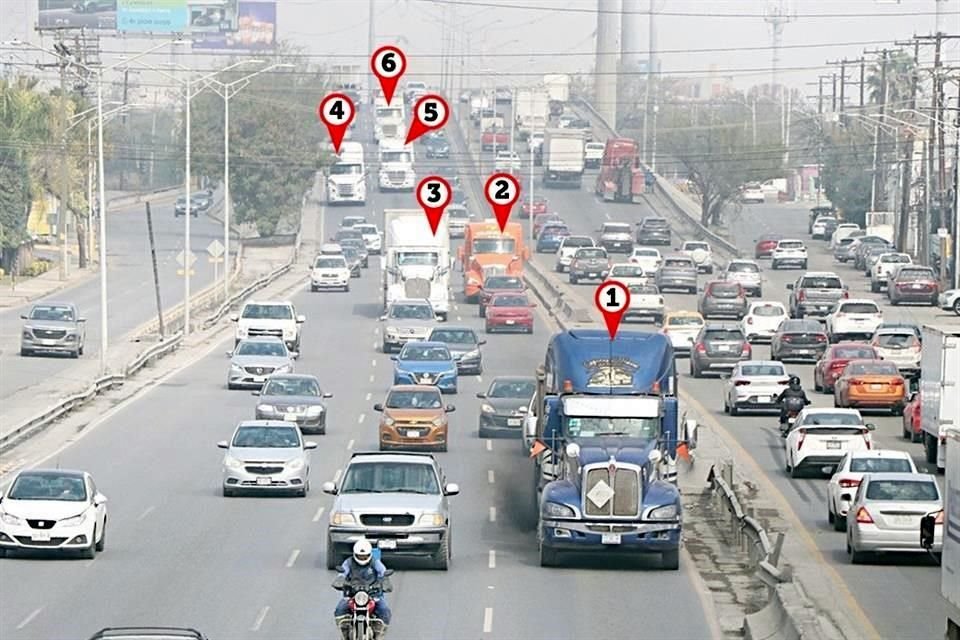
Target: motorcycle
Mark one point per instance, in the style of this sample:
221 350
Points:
362 602
792 406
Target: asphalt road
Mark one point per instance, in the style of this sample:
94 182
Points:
179 553
130 295
899 595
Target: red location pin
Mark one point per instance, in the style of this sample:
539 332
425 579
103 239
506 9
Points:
503 191
336 111
388 63
612 299
434 195
430 113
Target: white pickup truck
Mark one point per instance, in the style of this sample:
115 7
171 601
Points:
646 301
269 318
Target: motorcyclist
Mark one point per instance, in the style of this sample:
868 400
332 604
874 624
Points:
793 390
361 570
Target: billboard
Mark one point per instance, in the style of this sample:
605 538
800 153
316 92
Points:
213 16
256 30
89 14
152 16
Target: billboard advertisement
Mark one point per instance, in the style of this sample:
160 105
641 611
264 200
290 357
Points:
89 14
213 16
152 16
256 30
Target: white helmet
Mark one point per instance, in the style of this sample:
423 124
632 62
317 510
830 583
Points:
362 552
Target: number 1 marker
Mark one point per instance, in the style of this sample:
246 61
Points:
612 299
388 63
430 113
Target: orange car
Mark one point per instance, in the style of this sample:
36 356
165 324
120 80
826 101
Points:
871 384
414 417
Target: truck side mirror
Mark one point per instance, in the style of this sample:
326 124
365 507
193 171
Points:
927 528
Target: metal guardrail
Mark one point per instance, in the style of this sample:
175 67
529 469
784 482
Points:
750 533
140 197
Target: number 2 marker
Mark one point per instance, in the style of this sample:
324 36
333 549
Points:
434 195
430 113
612 299
388 63
336 111
502 191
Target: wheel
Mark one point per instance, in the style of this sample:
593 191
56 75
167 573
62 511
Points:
302 492
102 542
856 557
695 372
90 552
385 348
670 560
874 287
839 523
897 410
558 268
441 559
794 471
333 561
733 410
81 350
956 306
3 552
228 492
346 289
483 311
816 384
830 517
548 557
804 265
726 406
930 448
692 290
774 265
573 279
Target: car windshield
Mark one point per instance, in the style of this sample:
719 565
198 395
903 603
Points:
395 156
343 234
454 336
915 274
693 246
833 419
626 271
555 230
503 282
458 212
49 486
349 221
724 334
724 290
901 258
903 491
512 389
343 169
291 387
684 321
419 353
676 262
616 228
821 282
351 253
418 258
646 253
267 312
366 229
52 312
874 367
859 307
846 241
510 301
271 348
332 263
591 253
743 267
495 245
768 310
881 465
801 326
411 312
267 437
655 223
762 370
390 477
645 428
577 241
790 244
414 400
644 289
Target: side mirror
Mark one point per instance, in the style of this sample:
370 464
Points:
234 317
451 489
327 395
450 408
382 318
24 316
394 358
301 319
438 317
329 487
481 395
81 319
927 527
294 354
223 444
255 393
309 445
481 342
229 354
655 456
870 426
378 407
533 305
99 499
388 573
790 286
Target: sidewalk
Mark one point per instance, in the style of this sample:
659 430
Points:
23 290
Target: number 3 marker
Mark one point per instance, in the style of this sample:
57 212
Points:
434 195
612 299
388 63
430 113
502 191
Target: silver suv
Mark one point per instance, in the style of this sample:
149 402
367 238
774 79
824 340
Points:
54 327
397 501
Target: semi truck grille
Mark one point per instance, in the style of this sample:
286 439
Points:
612 492
417 288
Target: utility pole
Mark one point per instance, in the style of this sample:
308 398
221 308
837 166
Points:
126 85
906 185
878 183
649 88
63 220
371 45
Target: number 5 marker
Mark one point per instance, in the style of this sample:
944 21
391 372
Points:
430 113
612 299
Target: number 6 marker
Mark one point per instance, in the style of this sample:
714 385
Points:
430 113
388 63
502 191
336 111
434 195
612 299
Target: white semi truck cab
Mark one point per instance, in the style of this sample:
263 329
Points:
347 180
416 263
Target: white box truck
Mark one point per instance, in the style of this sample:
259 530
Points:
347 179
949 522
558 86
396 166
563 158
939 390
388 120
532 109
416 263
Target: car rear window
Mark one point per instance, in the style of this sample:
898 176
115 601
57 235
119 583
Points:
684 321
655 223
801 326
915 274
874 367
790 244
644 289
903 490
591 253
897 340
743 267
859 307
626 271
895 258
821 282
833 431
762 370
677 262
855 352
723 334
880 465
840 418
724 289
768 310
578 242
616 228
845 241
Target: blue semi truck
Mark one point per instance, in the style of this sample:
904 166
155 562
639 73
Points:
606 430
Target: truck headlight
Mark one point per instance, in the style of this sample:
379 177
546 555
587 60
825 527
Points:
75 521
342 518
9 518
284 369
314 410
439 421
391 331
668 512
265 408
431 519
556 510
471 354
235 368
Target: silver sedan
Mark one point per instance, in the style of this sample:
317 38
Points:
266 455
255 359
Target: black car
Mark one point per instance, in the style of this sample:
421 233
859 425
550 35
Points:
799 339
653 230
196 206
464 346
360 247
437 147
505 406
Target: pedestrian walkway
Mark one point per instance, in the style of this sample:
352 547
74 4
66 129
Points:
15 292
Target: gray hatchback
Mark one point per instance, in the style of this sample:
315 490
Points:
677 272
723 298
717 348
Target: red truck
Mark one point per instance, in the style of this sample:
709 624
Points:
493 138
621 177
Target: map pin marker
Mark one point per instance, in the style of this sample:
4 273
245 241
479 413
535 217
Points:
502 191
434 195
612 299
336 111
388 63
430 113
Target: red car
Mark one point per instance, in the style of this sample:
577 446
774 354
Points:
542 219
830 366
911 419
766 245
498 284
539 206
510 312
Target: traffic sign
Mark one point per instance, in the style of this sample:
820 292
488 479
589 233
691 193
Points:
182 262
213 260
180 272
215 248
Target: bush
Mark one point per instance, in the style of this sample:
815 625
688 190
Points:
37 267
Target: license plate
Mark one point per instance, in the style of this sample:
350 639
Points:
514 422
40 537
511 322
48 341
918 286
264 480
723 347
610 538
387 544
259 378
801 351
833 445
876 387
290 417
904 520
413 434
593 275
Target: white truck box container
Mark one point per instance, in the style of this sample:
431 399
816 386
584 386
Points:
939 389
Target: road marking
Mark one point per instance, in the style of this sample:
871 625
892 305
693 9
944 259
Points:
260 617
493 514
336 476
488 620
492 559
145 513
29 618
361 418
372 378
318 514
374 345
459 319
490 477
376 331
374 362
369 395
480 379
350 446
293 557
607 215
489 445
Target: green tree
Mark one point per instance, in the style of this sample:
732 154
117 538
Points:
847 170
901 68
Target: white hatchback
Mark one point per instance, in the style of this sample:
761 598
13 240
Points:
788 251
845 480
820 437
649 259
762 320
854 318
754 384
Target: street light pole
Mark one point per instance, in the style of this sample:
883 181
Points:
102 188
187 263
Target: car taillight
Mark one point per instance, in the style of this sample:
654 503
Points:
701 348
846 294
837 365
801 295
784 381
863 516
897 383
857 381
787 338
939 518
803 436
741 383
747 350
847 483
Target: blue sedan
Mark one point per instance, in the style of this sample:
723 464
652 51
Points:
426 363
550 236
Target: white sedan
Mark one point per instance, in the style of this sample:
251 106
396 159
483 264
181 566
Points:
53 509
854 318
649 259
820 438
845 480
762 320
754 384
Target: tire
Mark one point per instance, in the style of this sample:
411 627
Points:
670 560
897 410
228 492
930 448
904 432
90 552
839 523
102 543
794 472
956 306
804 265
332 558
726 406
695 372
483 311
774 265
831 519
302 492
856 557
3 552
346 289
548 557
80 351
874 287
441 559
573 279
25 353
734 411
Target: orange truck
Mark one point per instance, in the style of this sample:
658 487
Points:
486 252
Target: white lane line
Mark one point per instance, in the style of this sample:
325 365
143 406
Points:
260 618
361 418
607 215
374 345
489 445
492 559
488 620
350 446
318 514
146 512
493 514
372 378
376 331
490 477
29 618
480 379
374 362
459 319
369 395
336 476
293 557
